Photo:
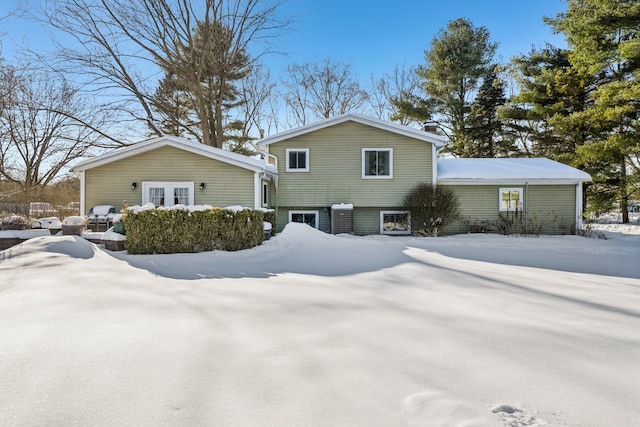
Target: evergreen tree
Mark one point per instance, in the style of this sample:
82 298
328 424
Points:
604 38
485 127
543 115
201 86
459 58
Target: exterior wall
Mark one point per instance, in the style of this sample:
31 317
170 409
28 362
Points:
335 174
335 167
226 184
551 208
365 220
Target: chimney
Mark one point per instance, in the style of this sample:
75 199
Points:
430 126
261 133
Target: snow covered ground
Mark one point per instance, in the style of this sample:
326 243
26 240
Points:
311 329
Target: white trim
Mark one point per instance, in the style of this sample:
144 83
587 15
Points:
520 191
306 158
167 186
395 232
578 207
396 128
316 213
507 181
377 149
257 190
83 189
434 165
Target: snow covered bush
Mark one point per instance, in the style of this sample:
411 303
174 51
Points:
164 231
432 207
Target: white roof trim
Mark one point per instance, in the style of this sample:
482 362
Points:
509 181
176 142
432 138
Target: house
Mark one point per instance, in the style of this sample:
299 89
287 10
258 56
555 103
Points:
357 161
169 170
348 173
369 166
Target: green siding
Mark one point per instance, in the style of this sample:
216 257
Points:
226 184
365 220
335 163
551 208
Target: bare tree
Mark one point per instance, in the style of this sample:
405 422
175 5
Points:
259 91
322 90
391 89
126 45
41 131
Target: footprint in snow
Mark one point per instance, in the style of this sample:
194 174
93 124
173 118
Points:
515 417
435 409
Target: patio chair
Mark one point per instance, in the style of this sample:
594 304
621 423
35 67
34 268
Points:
101 216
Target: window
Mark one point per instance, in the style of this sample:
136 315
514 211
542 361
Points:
377 163
305 217
510 199
297 160
265 194
395 222
167 193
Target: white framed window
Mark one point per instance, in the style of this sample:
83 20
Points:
510 199
265 194
395 222
305 217
167 193
377 163
297 160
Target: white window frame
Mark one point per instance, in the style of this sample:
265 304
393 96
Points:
316 213
395 232
510 189
389 176
168 190
297 150
265 194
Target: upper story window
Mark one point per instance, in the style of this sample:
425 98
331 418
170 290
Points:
297 160
377 163
510 199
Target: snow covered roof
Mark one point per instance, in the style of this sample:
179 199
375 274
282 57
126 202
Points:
452 171
176 142
432 138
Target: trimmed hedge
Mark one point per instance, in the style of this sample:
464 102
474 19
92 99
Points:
167 231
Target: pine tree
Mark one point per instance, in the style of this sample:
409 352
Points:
485 127
604 38
459 58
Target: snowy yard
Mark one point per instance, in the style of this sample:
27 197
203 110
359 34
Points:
311 329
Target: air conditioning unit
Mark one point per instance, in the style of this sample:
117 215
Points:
342 218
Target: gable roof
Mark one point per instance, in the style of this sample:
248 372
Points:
429 137
483 171
179 143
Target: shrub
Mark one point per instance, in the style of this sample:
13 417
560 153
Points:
432 207
164 231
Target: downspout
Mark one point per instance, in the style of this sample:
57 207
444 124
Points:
82 195
578 207
257 190
526 209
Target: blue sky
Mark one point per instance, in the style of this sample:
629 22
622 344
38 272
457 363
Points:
377 35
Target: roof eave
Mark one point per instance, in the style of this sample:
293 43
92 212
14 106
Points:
437 140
